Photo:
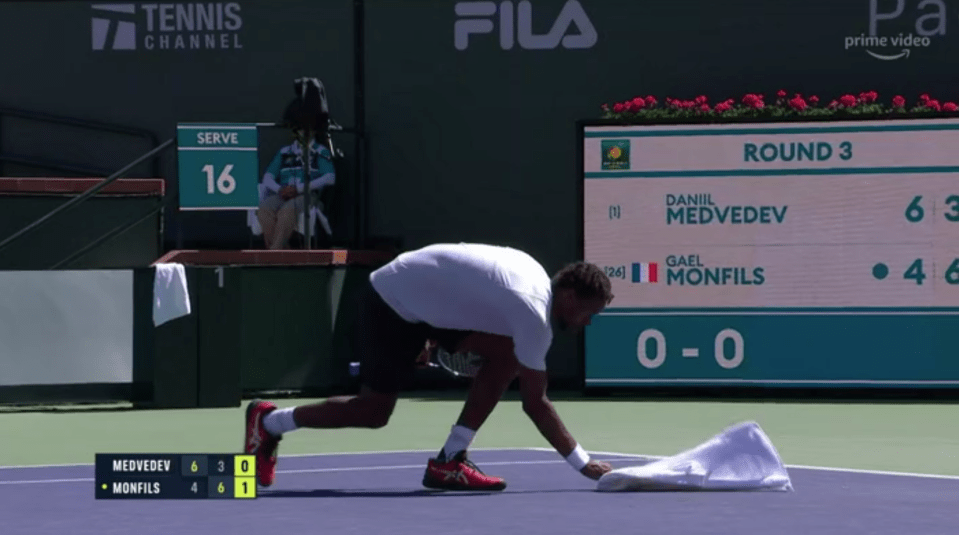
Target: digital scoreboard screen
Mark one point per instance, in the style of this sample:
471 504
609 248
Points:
166 476
799 254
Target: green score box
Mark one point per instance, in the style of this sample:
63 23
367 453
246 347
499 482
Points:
218 166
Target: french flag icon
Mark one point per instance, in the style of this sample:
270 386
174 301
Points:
645 272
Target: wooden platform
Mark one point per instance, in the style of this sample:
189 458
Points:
259 257
76 186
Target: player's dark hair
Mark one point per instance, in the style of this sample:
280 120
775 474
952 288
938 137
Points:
587 280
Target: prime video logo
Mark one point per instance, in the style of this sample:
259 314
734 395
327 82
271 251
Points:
181 26
928 18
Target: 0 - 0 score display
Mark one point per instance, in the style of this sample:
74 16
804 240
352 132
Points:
654 357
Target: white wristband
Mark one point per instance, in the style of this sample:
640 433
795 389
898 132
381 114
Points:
578 458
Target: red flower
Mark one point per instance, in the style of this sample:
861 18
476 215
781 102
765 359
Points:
650 101
797 103
834 104
847 101
934 104
814 100
639 103
619 108
704 107
753 101
950 106
723 106
898 101
701 99
924 97
868 96
781 93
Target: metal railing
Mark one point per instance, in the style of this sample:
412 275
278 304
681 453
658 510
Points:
72 203
45 163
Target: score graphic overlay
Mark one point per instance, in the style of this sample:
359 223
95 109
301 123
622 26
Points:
175 476
791 254
218 166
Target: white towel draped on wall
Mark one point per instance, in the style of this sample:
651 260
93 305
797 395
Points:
171 299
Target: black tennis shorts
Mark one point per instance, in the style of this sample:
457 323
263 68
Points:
387 345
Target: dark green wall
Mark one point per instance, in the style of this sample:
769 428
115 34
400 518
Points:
154 89
480 144
71 231
252 330
473 145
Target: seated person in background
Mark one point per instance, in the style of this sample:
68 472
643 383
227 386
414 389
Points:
285 200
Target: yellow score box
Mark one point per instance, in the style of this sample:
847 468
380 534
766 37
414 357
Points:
244 466
244 487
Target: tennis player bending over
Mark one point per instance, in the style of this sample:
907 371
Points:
494 301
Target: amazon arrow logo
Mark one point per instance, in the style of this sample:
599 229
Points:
903 54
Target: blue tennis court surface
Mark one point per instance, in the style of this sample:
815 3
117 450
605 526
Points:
364 493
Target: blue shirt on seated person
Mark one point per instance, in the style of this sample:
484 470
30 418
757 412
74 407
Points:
283 202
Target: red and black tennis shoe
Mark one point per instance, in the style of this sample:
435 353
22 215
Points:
260 442
459 473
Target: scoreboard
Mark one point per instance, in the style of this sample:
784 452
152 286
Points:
799 254
175 476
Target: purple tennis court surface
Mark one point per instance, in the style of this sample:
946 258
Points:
368 493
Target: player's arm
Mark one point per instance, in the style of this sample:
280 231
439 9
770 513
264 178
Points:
541 411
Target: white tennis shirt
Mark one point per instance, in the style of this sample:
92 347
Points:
474 287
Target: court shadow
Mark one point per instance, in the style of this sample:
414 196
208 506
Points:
385 493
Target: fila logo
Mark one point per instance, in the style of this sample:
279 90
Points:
477 18
113 34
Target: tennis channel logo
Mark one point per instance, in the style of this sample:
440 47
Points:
615 154
152 27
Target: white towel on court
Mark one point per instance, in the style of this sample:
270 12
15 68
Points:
171 299
740 458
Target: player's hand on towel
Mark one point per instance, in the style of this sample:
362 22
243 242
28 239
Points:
596 469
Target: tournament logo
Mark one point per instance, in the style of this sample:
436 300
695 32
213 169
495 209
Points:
615 153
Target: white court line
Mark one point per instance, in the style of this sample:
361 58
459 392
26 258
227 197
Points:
799 467
32 481
313 470
420 466
292 455
538 449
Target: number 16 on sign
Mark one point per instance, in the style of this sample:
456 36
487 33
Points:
218 166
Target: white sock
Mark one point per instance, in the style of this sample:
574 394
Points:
459 440
279 421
